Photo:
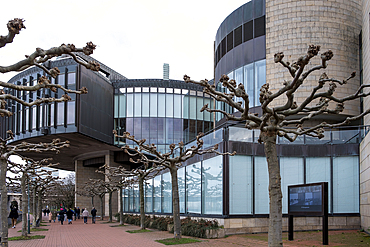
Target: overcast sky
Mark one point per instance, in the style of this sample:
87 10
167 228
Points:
133 37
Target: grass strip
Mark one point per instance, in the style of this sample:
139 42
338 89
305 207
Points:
37 230
174 241
118 225
139 231
26 238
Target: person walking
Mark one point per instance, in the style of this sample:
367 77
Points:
93 215
78 212
50 217
13 212
70 214
53 215
85 214
61 216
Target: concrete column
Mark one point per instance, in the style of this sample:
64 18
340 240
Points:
83 174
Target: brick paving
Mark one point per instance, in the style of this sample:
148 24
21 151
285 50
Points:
100 234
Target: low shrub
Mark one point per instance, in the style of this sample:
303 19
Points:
197 228
189 227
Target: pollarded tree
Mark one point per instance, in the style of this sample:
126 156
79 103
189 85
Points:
142 173
172 160
38 59
285 120
119 176
25 171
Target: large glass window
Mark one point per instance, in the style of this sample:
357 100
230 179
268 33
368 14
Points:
318 170
193 107
241 187
177 107
157 194
261 185
136 199
181 188
260 78
212 185
346 184
161 104
71 116
185 108
291 171
145 104
153 105
148 195
60 119
166 193
137 106
169 105
130 105
193 188
249 83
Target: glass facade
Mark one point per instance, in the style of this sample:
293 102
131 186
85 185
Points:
161 115
202 190
253 77
55 116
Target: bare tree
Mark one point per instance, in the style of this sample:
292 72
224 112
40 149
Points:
119 176
40 184
173 161
95 187
277 120
29 168
142 173
37 58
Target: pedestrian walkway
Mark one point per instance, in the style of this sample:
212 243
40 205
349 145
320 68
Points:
102 234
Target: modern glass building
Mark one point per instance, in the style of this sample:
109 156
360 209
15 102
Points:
161 111
237 186
233 190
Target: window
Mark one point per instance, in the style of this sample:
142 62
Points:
166 193
346 184
148 195
181 188
230 43
157 194
248 30
318 170
261 186
291 171
238 36
193 188
212 185
240 179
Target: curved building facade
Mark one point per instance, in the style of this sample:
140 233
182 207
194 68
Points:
235 189
161 111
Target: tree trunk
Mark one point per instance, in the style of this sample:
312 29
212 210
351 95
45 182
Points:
121 206
24 205
175 204
39 206
275 195
110 205
34 211
142 204
101 207
4 202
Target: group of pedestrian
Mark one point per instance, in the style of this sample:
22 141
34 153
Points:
68 215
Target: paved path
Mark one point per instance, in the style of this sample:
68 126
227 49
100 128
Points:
100 234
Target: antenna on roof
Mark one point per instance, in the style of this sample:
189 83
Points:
166 71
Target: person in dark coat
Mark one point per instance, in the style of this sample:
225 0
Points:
13 212
78 211
61 216
70 214
93 214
